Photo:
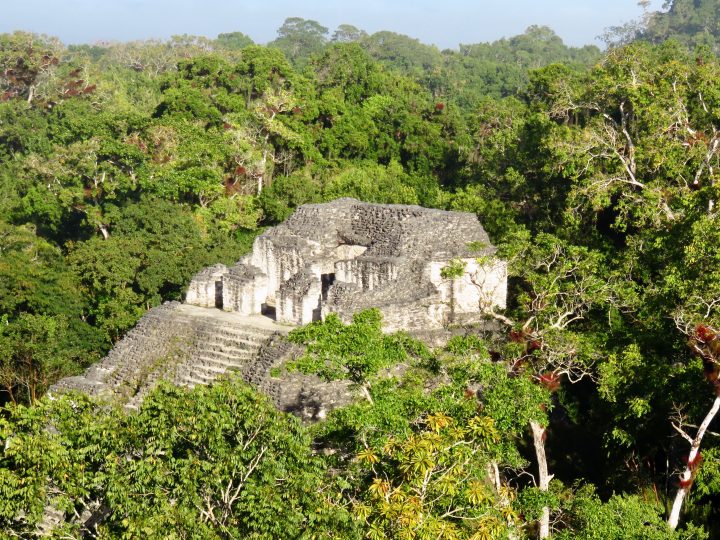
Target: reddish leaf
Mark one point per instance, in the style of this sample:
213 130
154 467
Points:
550 380
695 463
686 483
705 333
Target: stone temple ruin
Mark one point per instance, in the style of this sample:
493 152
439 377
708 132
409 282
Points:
345 256
339 257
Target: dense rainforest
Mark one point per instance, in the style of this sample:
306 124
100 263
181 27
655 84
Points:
591 413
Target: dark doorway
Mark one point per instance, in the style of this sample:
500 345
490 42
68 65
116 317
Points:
269 311
327 280
219 294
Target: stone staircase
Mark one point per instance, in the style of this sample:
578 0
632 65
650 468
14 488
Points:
223 348
223 344
186 345
52 517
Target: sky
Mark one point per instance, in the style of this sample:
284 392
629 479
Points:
445 23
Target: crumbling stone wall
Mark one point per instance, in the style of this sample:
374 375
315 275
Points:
206 289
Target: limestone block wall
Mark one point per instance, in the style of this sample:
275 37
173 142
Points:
413 315
404 305
204 288
491 278
482 286
263 256
339 301
347 251
298 300
279 259
381 226
420 298
367 272
245 290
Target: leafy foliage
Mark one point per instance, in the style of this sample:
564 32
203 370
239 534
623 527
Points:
433 484
356 351
217 461
125 168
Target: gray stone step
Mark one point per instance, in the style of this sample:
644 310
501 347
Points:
218 326
227 356
215 341
207 375
227 352
192 380
219 364
211 368
241 336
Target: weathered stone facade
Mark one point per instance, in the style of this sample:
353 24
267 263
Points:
345 256
340 257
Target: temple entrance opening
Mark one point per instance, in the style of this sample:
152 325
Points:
269 311
219 294
326 281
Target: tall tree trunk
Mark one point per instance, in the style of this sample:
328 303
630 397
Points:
494 476
263 163
687 475
32 392
538 433
263 166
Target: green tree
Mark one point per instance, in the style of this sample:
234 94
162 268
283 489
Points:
693 23
233 41
300 38
620 517
35 279
33 355
223 462
373 183
348 33
27 65
558 286
403 53
214 462
155 249
357 351
433 484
